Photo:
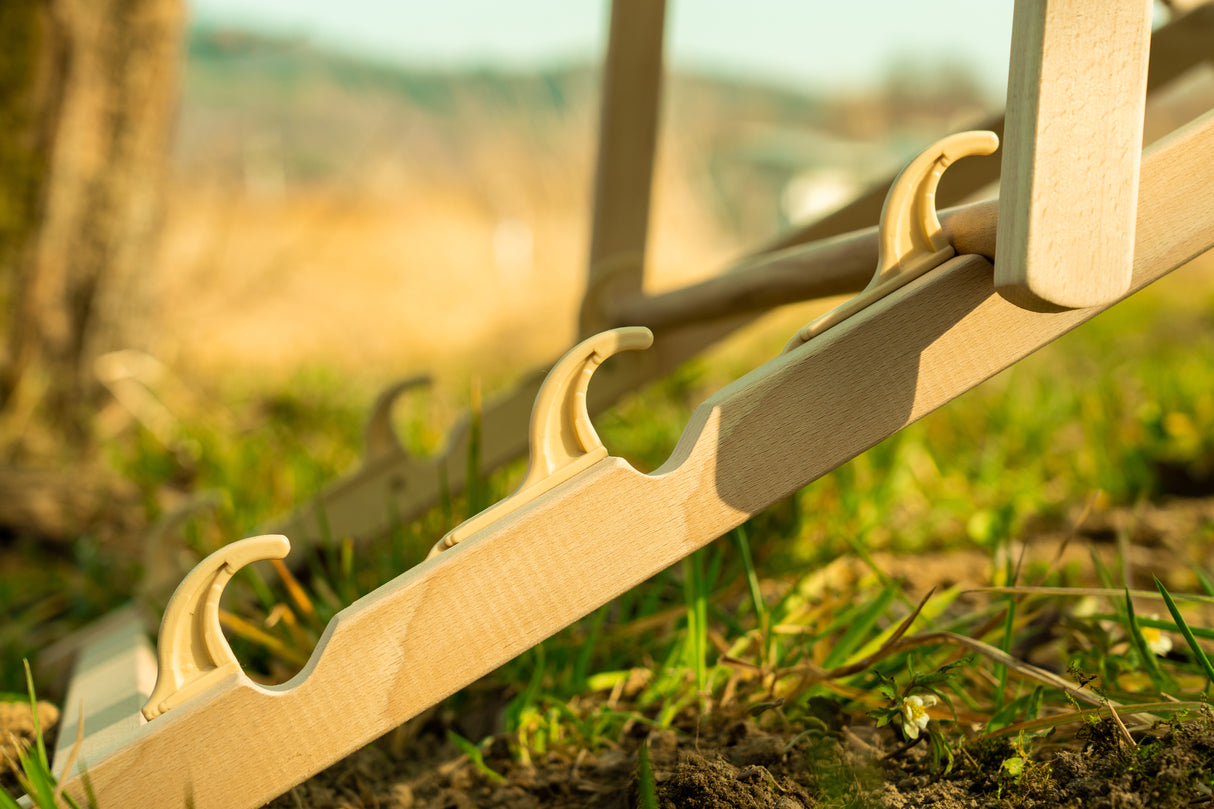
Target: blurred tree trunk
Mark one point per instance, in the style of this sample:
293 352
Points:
88 93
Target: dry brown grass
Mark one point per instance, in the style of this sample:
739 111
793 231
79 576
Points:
364 280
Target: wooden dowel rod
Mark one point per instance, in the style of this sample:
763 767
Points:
800 273
832 267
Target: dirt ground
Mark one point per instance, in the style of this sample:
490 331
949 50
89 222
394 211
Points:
830 758
731 758
728 761
723 761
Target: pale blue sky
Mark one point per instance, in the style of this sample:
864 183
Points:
794 42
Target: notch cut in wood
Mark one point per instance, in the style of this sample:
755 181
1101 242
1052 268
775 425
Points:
562 437
910 240
1072 151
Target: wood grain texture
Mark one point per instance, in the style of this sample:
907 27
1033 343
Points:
1072 146
422 636
815 261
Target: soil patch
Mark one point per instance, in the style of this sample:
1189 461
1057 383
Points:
720 762
17 736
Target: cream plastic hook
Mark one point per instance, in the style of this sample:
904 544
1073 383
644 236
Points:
910 240
192 652
562 438
380 438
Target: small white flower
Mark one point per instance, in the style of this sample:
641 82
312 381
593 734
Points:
1159 643
914 713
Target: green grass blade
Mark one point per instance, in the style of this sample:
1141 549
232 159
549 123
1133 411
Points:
752 578
859 627
1140 645
474 488
349 587
33 701
694 594
1102 572
477 758
1207 582
324 529
856 543
1029 705
647 785
1198 652
90 794
928 607
265 596
1107 592
581 664
1156 623
529 695
445 506
36 780
1005 646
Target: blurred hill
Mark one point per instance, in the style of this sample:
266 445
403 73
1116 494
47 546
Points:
338 212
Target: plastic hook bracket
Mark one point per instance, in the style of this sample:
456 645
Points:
562 438
192 653
380 438
910 238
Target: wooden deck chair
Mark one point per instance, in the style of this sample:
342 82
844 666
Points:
586 526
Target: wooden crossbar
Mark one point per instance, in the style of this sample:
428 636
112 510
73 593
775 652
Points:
466 611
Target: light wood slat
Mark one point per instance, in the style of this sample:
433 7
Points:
628 134
458 616
111 679
1075 108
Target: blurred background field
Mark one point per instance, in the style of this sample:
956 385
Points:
335 222
332 211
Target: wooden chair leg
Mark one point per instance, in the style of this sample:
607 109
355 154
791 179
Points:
628 134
